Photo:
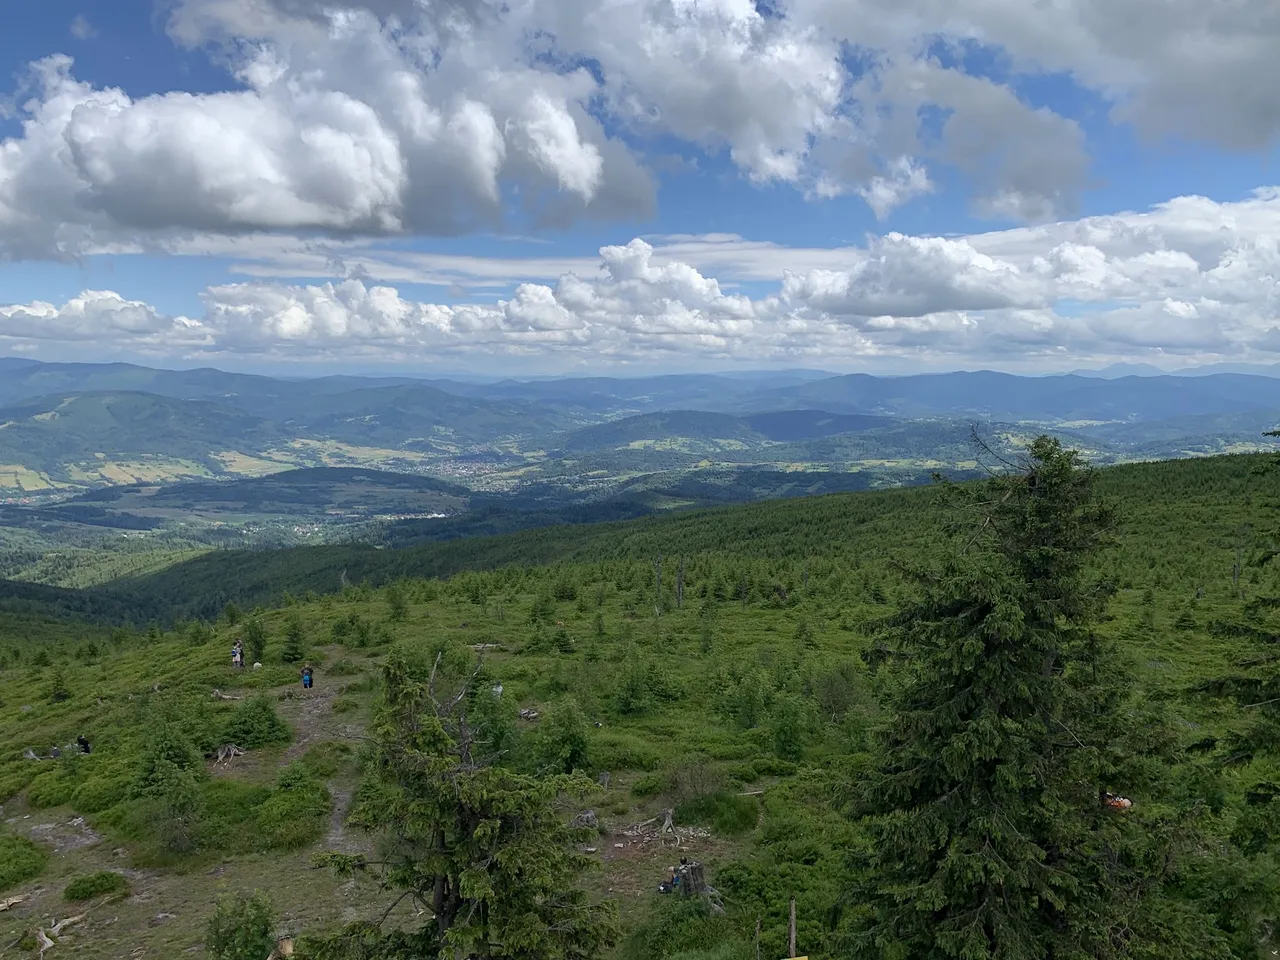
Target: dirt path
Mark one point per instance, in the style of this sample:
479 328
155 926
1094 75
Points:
310 712
311 715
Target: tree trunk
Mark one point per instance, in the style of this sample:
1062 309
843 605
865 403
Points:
680 585
791 930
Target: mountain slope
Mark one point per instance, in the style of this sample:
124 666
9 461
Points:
1156 496
55 433
316 491
670 428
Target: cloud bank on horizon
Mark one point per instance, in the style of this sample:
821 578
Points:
347 133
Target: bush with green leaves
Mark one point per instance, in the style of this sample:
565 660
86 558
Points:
14 781
101 791
255 723
103 883
726 813
173 807
343 667
20 860
295 640
397 604
242 928
297 811
675 926
166 750
791 725
53 788
648 785
562 738
59 685
254 636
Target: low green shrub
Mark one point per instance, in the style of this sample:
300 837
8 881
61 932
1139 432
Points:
297 811
325 759
365 684
678 926
344 667
101 792
773 767
20 860
13 782
623 751
96 885
724 813
241 928
50 789
344 705
648 785
255 723
229 813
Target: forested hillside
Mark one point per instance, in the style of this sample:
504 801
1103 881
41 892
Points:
1177 512
723 665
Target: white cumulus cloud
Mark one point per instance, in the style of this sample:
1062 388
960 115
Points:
1190 279
382 117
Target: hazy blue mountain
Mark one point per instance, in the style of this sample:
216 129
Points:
1116 370
1002 396
1253 369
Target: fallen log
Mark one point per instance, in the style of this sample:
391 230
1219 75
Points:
228 752
56 929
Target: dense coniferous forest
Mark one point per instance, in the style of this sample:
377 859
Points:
1031 715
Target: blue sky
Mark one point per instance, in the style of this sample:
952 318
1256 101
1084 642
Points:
1019 151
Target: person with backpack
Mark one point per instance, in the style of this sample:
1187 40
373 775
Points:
306 677
83 743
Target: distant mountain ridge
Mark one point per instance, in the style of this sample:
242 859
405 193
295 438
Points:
1128 397
68 426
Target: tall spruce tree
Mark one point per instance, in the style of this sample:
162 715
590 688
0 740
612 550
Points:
483 850
988 828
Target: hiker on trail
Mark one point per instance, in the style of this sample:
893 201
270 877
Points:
84 744
237 654
55 753
306 677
